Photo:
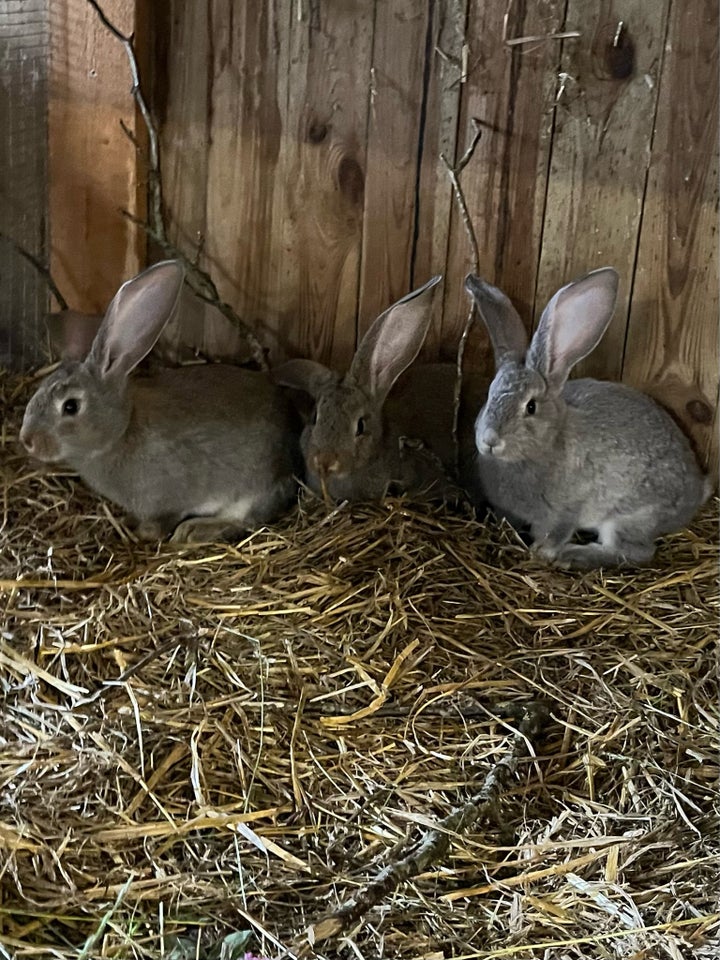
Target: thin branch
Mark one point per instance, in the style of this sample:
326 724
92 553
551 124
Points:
454 175
467 156
436 842
42 268
130 135
198 280
203 286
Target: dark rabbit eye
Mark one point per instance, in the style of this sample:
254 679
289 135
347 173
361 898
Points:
530 407
70 407
360 429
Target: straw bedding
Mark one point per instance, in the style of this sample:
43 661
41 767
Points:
238 737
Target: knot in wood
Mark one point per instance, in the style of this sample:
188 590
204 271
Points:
317 131
351 180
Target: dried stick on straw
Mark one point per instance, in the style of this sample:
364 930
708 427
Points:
42 268
435 844
199 280
454 175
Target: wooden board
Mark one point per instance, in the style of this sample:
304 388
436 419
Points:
23 176
672 342
318 213
510 90
180 83
93 166
606 103
395 123
434 200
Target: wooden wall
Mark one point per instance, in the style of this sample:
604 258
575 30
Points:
301 145
23 177
94 169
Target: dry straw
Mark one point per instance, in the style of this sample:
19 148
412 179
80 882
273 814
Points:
242 737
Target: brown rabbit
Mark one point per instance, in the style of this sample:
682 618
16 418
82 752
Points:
355 446
204 451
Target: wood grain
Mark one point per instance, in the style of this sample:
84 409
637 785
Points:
92 165
394 131
318 214
182 44
23 177
510 90
434 201
606 103
672 342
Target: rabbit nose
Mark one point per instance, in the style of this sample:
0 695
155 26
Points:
326 463
487 440
27 439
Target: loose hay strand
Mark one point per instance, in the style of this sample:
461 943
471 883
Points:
240 736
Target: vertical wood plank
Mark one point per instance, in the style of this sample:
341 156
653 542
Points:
318 214
439 137
511 91
182 46
23 174
93 166
606 105
397 90
672 342
247 83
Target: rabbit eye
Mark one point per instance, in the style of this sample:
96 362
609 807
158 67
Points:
360 429
530 407
70 407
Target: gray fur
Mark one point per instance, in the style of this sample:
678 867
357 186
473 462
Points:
594 456
393 399
200 450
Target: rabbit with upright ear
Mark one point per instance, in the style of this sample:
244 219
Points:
205 451
583 455
354 447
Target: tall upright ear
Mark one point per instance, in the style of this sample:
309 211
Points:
72 333
507 333
393 341
572 325
307 375
136 317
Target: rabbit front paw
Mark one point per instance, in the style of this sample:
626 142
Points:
203 530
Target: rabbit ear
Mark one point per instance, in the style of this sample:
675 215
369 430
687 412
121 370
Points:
72 333
572 324
393 341
136 317
507 333
305 375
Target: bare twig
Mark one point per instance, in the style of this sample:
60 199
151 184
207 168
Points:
454 175
42 268
436 842
199 280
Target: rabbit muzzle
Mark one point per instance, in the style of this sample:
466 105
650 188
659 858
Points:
40 445
325 464
489 443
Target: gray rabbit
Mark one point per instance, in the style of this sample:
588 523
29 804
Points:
382 425
200 452
583 455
